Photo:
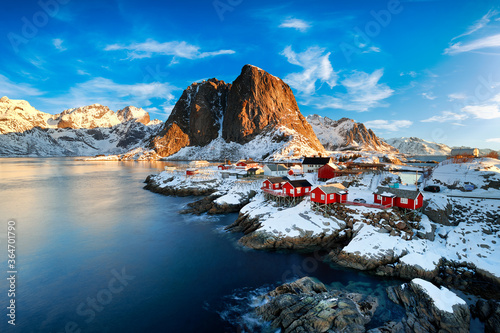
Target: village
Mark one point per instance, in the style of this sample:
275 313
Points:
321 180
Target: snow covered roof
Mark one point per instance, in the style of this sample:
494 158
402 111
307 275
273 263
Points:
400 193
331 165
316 160
443 298
275 180
333 188
277 167
300 183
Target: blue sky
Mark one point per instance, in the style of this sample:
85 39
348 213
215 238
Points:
409 68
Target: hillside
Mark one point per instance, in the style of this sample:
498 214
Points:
346 134
417 146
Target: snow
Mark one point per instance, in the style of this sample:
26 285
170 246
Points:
96 130
345 134
417 146
295 221
263 147
442 297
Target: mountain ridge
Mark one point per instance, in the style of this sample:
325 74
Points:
217 117
346 134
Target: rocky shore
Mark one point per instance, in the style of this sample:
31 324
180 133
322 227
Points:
307 305
386 243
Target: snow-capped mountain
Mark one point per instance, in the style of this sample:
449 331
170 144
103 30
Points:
255 116
417 146
84 131
346 134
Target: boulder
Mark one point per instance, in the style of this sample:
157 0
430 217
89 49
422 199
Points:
430 309
307 305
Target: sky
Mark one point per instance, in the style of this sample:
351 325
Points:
420 68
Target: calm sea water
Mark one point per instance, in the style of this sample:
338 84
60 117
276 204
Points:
97 253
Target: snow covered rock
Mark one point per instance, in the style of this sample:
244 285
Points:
429 308
417 146
346 134
214 119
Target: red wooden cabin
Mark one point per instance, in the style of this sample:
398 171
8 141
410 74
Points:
328 194
397 197
328 171
297 188
274 183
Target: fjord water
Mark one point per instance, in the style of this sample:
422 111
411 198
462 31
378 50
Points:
97 253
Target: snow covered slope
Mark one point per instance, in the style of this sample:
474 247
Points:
89 130
345 134
417 146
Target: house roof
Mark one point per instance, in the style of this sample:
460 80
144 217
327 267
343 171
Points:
275 180
333 188
316 160
300 183
331 165
398 192
254 169
277 167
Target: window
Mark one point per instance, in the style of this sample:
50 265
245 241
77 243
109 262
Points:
322 197
313 195
331 196
307 189
299 189
404 200
379 197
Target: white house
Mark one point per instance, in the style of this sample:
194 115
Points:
275 170
312 164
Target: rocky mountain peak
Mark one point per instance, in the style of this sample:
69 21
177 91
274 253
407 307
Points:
256 103
346 134
132 113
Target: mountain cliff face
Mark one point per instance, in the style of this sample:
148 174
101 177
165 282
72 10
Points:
417 146
345 134
89 130
216 120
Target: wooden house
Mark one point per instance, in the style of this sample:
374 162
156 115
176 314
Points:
255 171
312 164
396 197
328 171
275 170
297 188
274 183
328 194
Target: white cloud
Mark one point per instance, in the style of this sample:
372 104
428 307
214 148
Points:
487 111
295 24
493 140
455 96
479 24
372 49
413 74
82 72
176 49
428 96
490 41
388 125
316 65
16 90
364 90
445 117
57 42
114 95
